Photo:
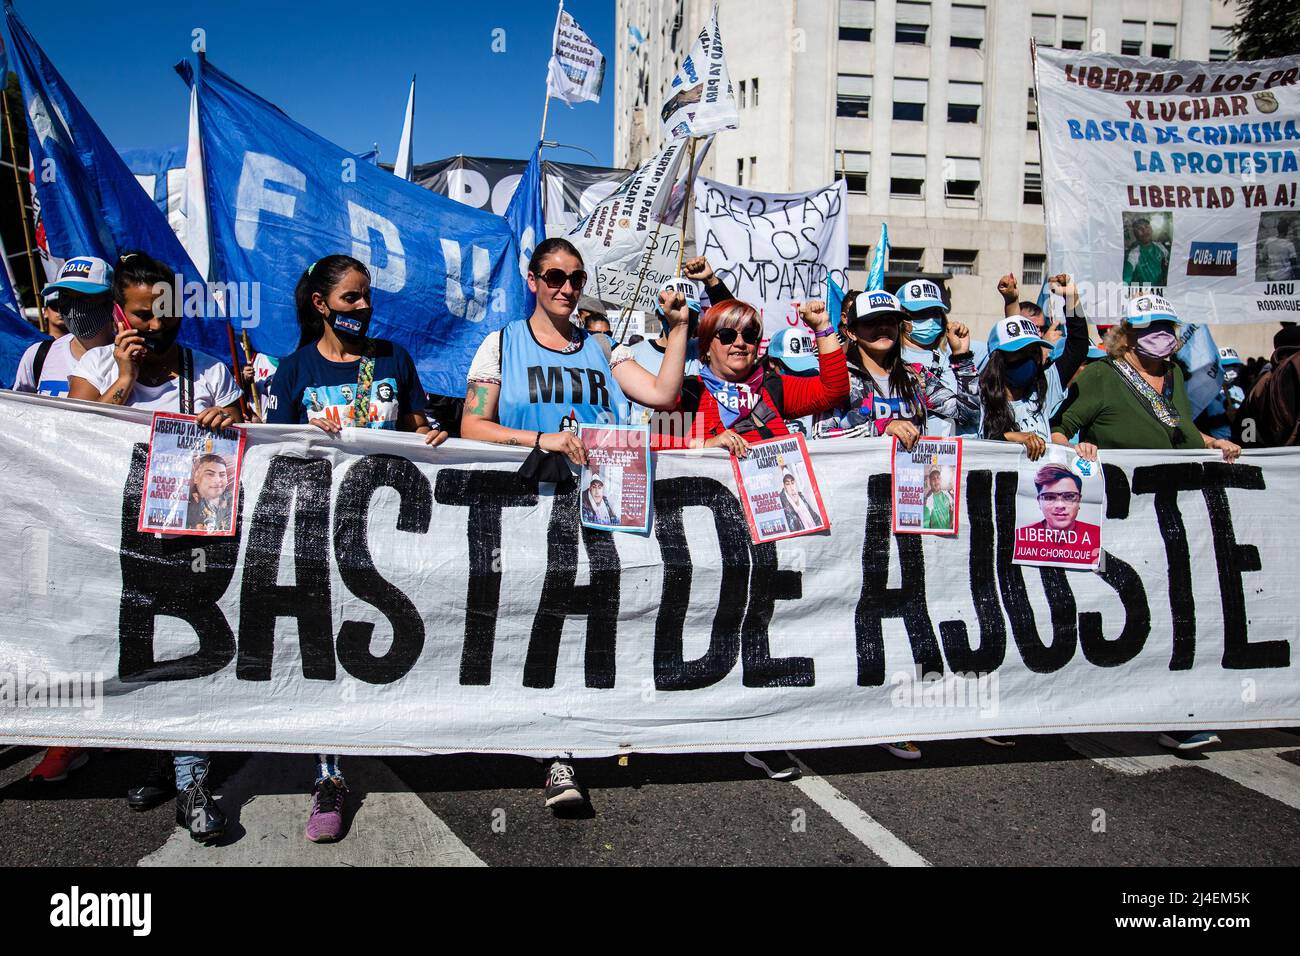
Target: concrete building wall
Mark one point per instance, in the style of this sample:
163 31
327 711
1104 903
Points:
794 140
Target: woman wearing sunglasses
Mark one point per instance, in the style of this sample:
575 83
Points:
534 381
734 401
533 378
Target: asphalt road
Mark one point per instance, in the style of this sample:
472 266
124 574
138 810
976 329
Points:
1115 799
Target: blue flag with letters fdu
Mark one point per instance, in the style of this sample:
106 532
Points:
91 204
443 275
526 219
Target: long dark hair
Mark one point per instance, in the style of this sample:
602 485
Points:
902 380
998 419
321 277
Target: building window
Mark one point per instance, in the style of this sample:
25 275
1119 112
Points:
1074 32
912 22
907 176
853 95
905 260
1133 38
1044 29
967 26
1220 44
742 94
858 258
1031 276
857 18
961 177
1162 40
1031 117
740 171
753 170
964 102
1033 184
753 89
959 262
854 168
909 100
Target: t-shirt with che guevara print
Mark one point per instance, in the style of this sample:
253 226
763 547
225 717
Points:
308 386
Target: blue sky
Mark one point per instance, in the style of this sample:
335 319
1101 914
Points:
340 67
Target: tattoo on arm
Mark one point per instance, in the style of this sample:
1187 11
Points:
477 400
118 396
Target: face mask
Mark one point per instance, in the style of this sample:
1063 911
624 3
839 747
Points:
926 331
86 316
1021 374
1157 343
353 323
159 342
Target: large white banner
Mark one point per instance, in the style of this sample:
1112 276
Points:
773 250
382 597
1175 177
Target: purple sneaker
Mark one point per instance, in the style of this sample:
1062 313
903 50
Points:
325 825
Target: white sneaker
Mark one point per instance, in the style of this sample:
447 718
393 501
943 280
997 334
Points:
777 764
903 750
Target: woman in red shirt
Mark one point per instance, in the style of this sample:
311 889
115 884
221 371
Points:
733 401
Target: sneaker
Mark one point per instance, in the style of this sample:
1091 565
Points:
325 824
998 742
777 764
903 750
57 763
561 785
158 787
198 812
1192 741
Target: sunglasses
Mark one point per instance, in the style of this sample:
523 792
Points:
751 335
555 278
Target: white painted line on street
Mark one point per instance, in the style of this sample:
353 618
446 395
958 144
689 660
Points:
270 795
892 850
1129 754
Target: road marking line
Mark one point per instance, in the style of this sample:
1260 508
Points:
877 839
392 826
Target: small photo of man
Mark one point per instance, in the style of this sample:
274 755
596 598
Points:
1147 239
596 508
938 506
1276 247
210 499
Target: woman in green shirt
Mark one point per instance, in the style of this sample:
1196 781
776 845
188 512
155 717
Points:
1136 398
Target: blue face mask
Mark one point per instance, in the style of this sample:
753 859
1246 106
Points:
926 331
1021 374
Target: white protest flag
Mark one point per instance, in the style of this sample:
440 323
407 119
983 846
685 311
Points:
773 250
192 221
700 99
631 220
413 639
577 69
405 148
1173 176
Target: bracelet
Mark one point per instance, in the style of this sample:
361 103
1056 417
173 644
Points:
538 442
829 330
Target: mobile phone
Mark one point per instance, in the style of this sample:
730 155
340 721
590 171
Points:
119 319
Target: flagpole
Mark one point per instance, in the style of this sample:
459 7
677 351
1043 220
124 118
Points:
252 386
22 213
687 202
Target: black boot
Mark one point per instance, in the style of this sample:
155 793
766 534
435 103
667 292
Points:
158 787
198 812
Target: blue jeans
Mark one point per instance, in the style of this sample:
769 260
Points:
190 766
327 765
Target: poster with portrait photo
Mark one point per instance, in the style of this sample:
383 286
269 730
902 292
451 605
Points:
1060 501
614 492
191 478
1277 247
779 490
1148 239
926 486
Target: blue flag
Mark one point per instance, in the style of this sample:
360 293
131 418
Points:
1199 357
876 276
526 219
90 202
443 275
834 301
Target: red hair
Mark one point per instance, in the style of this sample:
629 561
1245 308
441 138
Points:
731 314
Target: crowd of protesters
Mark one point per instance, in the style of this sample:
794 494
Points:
893 365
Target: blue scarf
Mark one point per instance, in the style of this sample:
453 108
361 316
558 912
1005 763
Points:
735 399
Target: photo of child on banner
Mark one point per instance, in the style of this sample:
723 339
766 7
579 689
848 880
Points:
1060 501
191 480
927 486
779 490
616 478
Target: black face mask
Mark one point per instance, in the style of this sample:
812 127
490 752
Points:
162 340
352 324
84 315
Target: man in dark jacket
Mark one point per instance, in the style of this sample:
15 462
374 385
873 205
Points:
1270 415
